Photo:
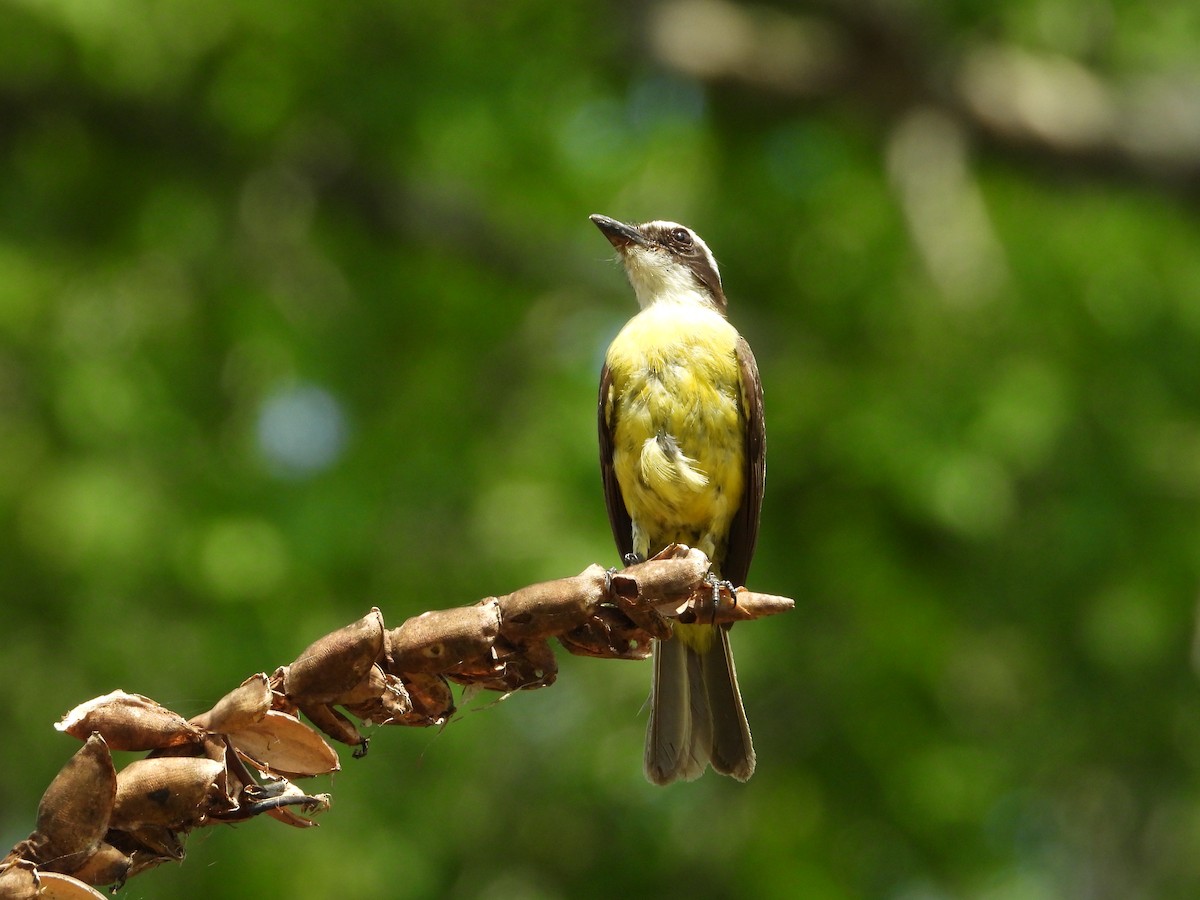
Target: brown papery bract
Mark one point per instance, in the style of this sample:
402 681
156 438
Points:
76 809
129 722
235 761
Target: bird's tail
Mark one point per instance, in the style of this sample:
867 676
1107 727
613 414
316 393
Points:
696 712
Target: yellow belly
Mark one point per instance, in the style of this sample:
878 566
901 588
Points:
678 428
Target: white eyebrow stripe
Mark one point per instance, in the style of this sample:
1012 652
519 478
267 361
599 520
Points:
665 225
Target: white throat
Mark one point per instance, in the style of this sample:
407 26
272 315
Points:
657 278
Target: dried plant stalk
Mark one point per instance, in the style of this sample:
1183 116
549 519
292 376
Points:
97 826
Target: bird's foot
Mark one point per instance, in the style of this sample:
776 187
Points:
608 577
719 590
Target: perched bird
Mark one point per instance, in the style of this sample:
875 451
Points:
682 454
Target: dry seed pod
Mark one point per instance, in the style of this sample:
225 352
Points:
517 668
477 670
169 792
373 684
76 809
280 701
443 639
128 722
636 612
240 708
667 576
334 724
19 880
148 846
432 699
552 607
611 635
212 746
392 704
107 865
215 747
336 663
283 744
660 584
534 666
64 887
750 605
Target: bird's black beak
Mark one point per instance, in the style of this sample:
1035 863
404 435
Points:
619 234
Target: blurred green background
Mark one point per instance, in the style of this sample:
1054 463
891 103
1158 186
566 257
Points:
301 313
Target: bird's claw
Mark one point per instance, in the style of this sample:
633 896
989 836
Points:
608 577
718 589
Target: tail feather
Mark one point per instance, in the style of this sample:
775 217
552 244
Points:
696 714
732 748
676 747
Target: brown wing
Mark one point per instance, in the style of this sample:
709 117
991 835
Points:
743 531
618 515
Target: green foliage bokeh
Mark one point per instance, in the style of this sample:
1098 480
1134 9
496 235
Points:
301 313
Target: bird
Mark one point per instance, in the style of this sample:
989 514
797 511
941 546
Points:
683 460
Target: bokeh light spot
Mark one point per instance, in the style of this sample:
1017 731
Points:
301 430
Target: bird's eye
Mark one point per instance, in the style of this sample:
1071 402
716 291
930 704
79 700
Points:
681 236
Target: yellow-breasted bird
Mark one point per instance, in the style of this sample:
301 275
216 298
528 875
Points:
682 453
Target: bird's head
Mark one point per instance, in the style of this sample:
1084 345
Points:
665 262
